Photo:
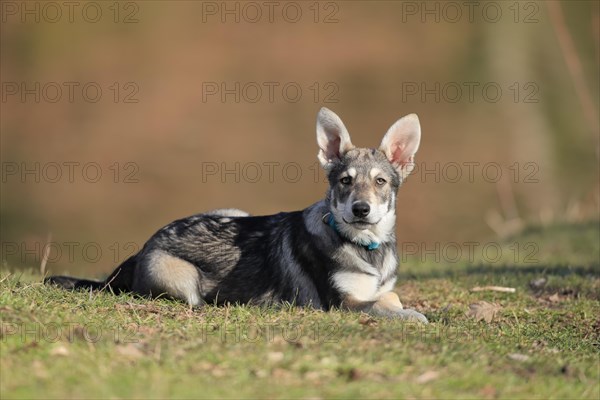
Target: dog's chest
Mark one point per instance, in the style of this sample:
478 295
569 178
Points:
362 279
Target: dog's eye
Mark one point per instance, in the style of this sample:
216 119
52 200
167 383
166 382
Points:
380 181
346 180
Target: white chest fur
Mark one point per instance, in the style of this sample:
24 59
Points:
366 282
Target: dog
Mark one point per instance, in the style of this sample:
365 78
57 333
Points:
338 253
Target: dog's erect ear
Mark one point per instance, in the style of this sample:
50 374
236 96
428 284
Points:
332 137
401 142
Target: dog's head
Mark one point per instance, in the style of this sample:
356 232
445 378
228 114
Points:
364 182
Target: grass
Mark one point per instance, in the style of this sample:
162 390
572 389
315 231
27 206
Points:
543 341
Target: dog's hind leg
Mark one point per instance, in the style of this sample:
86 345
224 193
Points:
161 274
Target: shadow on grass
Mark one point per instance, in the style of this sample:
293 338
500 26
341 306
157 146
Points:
482 269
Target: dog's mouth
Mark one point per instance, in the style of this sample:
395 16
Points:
360 223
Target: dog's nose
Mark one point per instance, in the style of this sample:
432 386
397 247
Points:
361 209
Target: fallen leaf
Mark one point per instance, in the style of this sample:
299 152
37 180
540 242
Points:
427 376
129 351
488 392
275 356
367 320
355 374
280 373
328 361
39 369
218 372
298 345
555 298
203 367
493 289
27 346
518 357
60 350
312 376
260 373
483 311
539 344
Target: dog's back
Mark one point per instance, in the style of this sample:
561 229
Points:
218 259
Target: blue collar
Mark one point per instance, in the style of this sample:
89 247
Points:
331 222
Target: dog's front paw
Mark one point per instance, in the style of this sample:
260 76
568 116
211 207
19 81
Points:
412 315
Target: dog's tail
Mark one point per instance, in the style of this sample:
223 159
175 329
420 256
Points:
121 280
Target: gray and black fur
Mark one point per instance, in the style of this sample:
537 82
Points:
339 252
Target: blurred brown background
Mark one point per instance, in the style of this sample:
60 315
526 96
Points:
157 130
